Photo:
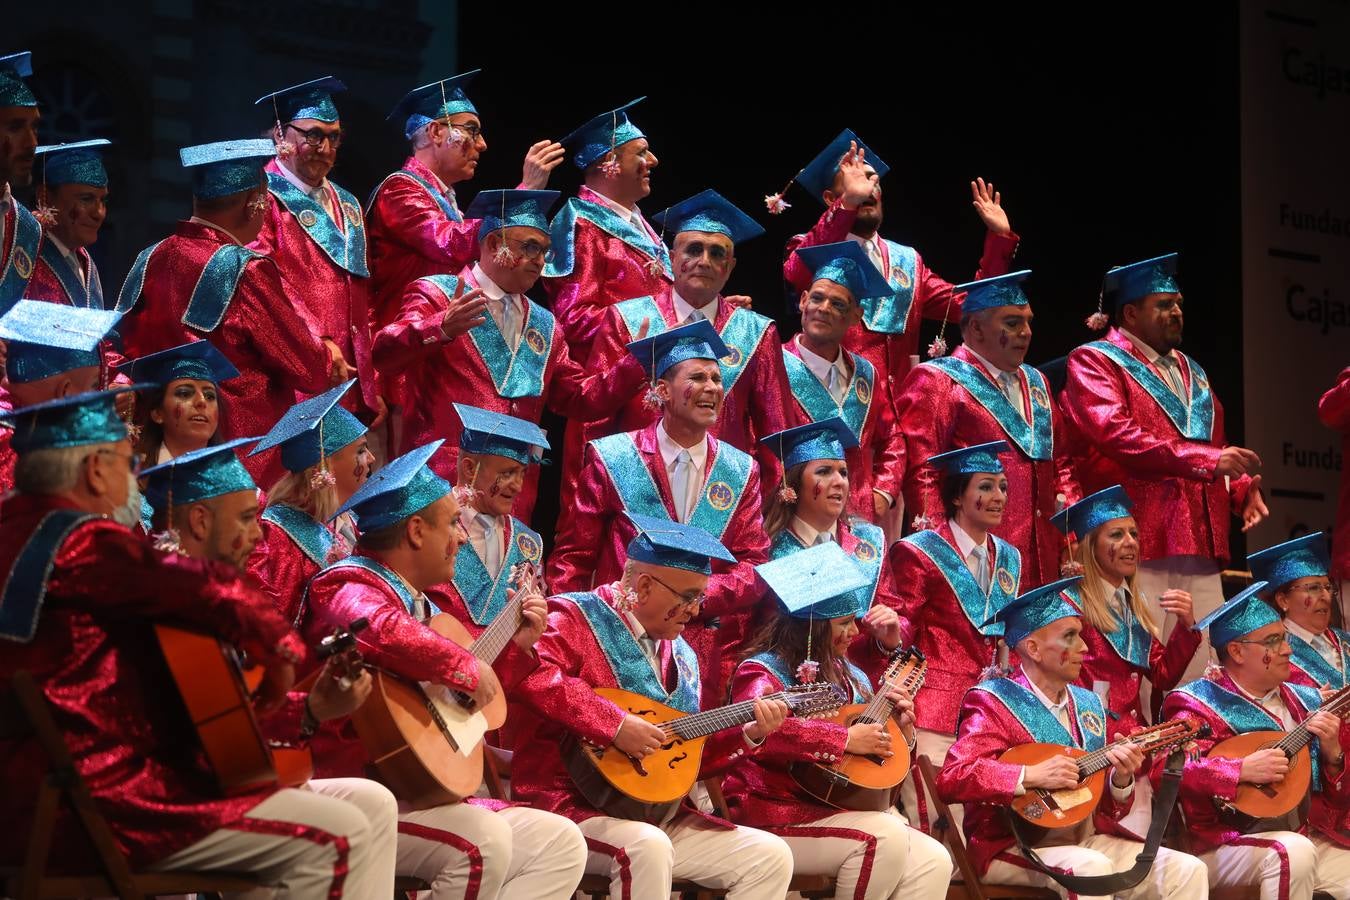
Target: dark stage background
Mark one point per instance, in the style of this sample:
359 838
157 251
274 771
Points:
1110 142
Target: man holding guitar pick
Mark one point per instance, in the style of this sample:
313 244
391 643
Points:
627 634
1041 704
411 533
1246 798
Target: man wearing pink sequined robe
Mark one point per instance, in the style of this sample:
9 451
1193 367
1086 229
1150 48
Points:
984 392
1147 419
845 177
202 283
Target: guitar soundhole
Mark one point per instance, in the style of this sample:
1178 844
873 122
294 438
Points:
649 713
674 760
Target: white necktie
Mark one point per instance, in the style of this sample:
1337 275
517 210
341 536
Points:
510 327
824 538
695 315
874 254
320 196
1171 374
679 483
978 562
492 545
837 385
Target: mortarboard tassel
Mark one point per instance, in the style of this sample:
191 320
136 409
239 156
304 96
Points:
46 215
808 669
1098 320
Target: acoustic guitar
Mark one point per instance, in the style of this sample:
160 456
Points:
650 789
868 782
217 689
1066 807
425 740
1269 801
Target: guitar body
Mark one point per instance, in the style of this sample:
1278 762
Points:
218 701
664 777
1266 801
1060 808
856 782
409 738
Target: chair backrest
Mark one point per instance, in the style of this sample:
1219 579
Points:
946 831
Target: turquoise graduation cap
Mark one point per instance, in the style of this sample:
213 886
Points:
402 488
79 162
1092 511
199 475
977 458
310 100
226 167
697 340
14 68
1241 615
510 209
818 175
1035 609
46 339
498 434
708 211
989 293
815 583
826 439
602 134
430 102
662 542
312 430
198 360
1137 280
1303 557
846 264
74 421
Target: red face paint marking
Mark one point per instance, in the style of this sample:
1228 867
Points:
979 503
178 411
672 613
1064 657
238 542
1003 340
816 491
494 490
1266 659
688 393
1307 602
1111 552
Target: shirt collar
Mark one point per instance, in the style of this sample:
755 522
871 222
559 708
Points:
1299 631
669 449
633 215
299 182
1049 704
964 542
808 534
1150 354
490 287
993 370
214 227
819 365
67 254
683 309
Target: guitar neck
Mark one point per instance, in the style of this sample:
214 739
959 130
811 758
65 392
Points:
702 724
909 676
1300 736
1159 737
498 634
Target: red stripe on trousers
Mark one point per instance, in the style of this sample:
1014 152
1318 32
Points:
1279 850
304 833
620 856
848 834
458 842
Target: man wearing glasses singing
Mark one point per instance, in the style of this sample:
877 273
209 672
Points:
475 338
316 234
1302 593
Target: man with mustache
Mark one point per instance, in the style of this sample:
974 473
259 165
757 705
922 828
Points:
314 232
828 380
476 338
604 251
985 392
20 233
673 469
845 176
1145 417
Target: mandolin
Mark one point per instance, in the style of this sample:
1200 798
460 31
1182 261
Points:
1269 801
425 740
1066 807
650 789
867 782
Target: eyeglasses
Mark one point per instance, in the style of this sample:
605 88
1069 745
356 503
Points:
474 132
1319 587
529 249
315 137
134 459
1274 642
685 600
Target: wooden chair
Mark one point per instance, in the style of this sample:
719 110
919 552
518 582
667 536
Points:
966 881
24 714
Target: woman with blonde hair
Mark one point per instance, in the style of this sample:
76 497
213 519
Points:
327 458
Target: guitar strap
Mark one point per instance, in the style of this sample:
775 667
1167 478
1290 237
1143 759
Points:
1115 882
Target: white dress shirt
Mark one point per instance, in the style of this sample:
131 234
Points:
872 247
1167 366
319 195
71 257
698 457
1060 709
683 310
821 367
507 310
1008 383
810 536
1319 642
965 545
480 533
633 215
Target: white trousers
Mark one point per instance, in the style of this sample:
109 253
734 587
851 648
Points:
1197 575
914 801
473 853
641 859
334 838
871 855
1174 876
1287 866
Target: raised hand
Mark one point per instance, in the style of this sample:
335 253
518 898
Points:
884 624
1254 509
858 183
540 161
465 311
989 206
1179 604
